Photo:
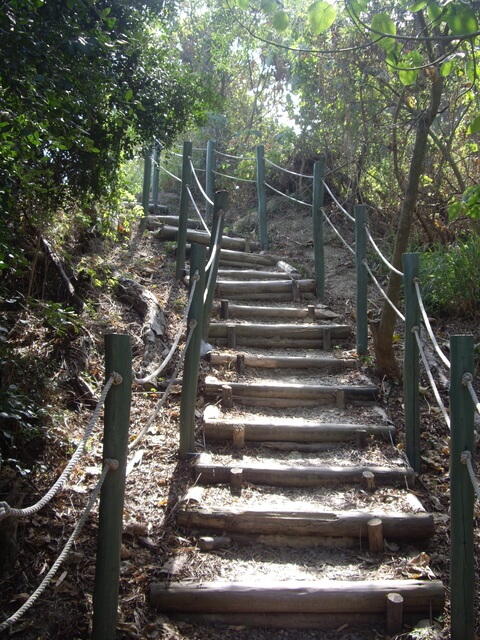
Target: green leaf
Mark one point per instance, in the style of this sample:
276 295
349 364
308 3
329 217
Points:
461 19
474 125
383 24
446 68
416 6
454 210
321 16
268 6
243 4
434 12
408 78
128 95
281 20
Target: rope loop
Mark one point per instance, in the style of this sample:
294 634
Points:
192 324
467 378
117 378
465 456
112 463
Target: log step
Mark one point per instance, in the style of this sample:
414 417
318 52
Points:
327 365
257 290
282 475
252 311
278 394
291 431
252 274
168 232
318 599
350 524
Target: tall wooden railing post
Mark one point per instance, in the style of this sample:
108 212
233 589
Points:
462 565
411 364
147 179
192 355
183 212
157 147
118 358
210 178
219 209
318 245
262 196
362 280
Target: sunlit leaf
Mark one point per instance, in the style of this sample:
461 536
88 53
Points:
474 126
461 19
383 24
446 68
321 16
280 20
471 70
434 12
409 77
243 4
416 6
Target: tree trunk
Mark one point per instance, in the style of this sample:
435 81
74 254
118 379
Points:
383 335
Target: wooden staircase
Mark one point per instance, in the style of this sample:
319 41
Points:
298 458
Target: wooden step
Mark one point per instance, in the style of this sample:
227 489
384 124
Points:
252 274
258 290
310 313
350 524
303 604
282 475
167 232
232 258
327 365
291 431
278 394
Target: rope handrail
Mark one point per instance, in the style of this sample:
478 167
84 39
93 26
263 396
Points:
380 254
215 249
228 155
430 377
202 149
197 210
6 510
107 465
173 348
380 288
280 193
172 175
226 175
428 326
163 399
194 173
339 235
292 173
466 458
342 209
174 153
467 381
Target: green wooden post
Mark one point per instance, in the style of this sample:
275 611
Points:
462 577
219 209
210 178
262 196
118 358
411 363
183 213
362 280
192 355
147 178
318 244
156 174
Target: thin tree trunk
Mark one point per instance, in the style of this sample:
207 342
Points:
383 334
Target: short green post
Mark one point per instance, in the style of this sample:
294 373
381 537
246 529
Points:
317 209
262 196
219 209
118 359
210 178
156 174
362 280
183 213
462 565
192 355
411 363
147 179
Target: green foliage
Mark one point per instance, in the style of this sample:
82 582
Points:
321 16
450 279
61 320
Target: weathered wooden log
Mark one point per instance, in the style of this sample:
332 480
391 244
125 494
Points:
238 439
279 342
361 438
295 393
155 221
207 543
236 480
291 430
375 535
351 524
227 397
368 480
394 621
302 331
302 446
239 258
251 311
287 268
281 475
253 274
240 364
330 365
322 596
252 288
167 232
